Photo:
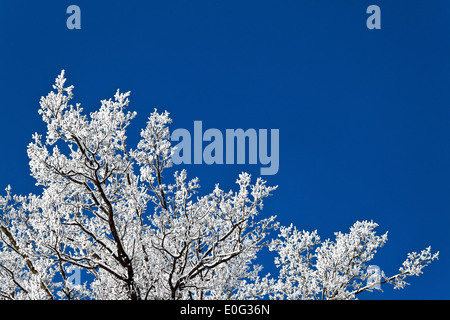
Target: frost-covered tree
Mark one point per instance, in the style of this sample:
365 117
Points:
106 209
315 269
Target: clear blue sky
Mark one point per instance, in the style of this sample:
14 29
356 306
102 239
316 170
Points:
364 115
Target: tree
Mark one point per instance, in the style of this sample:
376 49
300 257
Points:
105 209
311 269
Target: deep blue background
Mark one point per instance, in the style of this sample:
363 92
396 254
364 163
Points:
363 114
